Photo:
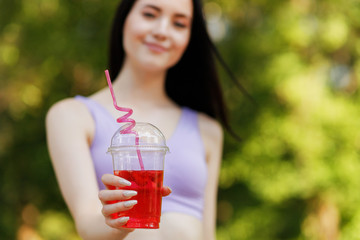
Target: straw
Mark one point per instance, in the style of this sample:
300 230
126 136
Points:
125 119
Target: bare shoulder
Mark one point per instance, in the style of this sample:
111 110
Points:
66 108
70 113
211 133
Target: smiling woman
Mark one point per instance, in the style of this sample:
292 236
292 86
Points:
157 28
162 66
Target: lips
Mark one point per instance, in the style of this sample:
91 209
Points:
156 47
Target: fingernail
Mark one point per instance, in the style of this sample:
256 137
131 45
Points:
130 203
124 182
123 219
129 193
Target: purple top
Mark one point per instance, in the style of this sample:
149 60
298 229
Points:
185 170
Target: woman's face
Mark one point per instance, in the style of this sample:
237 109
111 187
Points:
157 32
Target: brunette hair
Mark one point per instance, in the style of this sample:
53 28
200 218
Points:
193 82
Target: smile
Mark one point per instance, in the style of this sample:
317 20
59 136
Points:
156 47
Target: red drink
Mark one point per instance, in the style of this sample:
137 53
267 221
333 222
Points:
148 184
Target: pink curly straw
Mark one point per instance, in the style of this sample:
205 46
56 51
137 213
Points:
125 118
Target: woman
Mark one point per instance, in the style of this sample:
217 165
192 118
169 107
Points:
162 66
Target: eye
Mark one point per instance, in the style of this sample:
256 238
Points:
148 15
179 25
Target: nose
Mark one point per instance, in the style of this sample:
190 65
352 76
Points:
161 29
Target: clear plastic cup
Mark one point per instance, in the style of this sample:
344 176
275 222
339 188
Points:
145 173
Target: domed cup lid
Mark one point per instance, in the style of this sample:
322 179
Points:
150 138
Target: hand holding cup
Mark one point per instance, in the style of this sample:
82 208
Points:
114 199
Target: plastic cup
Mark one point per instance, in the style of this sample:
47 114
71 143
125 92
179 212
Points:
148 181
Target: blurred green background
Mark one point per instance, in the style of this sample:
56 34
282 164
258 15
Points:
295 175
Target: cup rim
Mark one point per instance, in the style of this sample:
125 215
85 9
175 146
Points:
125 148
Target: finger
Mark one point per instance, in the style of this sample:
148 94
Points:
113 195
118 223
109 209
110 181
165 191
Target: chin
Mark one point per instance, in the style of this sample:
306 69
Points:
155 66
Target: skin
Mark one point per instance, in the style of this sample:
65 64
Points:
156 33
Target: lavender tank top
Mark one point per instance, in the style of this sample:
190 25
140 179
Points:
185 170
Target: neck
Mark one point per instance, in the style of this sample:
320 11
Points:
135 86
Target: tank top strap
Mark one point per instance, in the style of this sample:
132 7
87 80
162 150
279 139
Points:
102 118
189 120
97 111
87 102
188 129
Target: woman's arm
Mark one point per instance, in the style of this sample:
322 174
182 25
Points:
70 129
212 136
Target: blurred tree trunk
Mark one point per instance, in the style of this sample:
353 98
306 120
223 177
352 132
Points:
322 222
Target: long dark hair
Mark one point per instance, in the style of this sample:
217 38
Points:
193 81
